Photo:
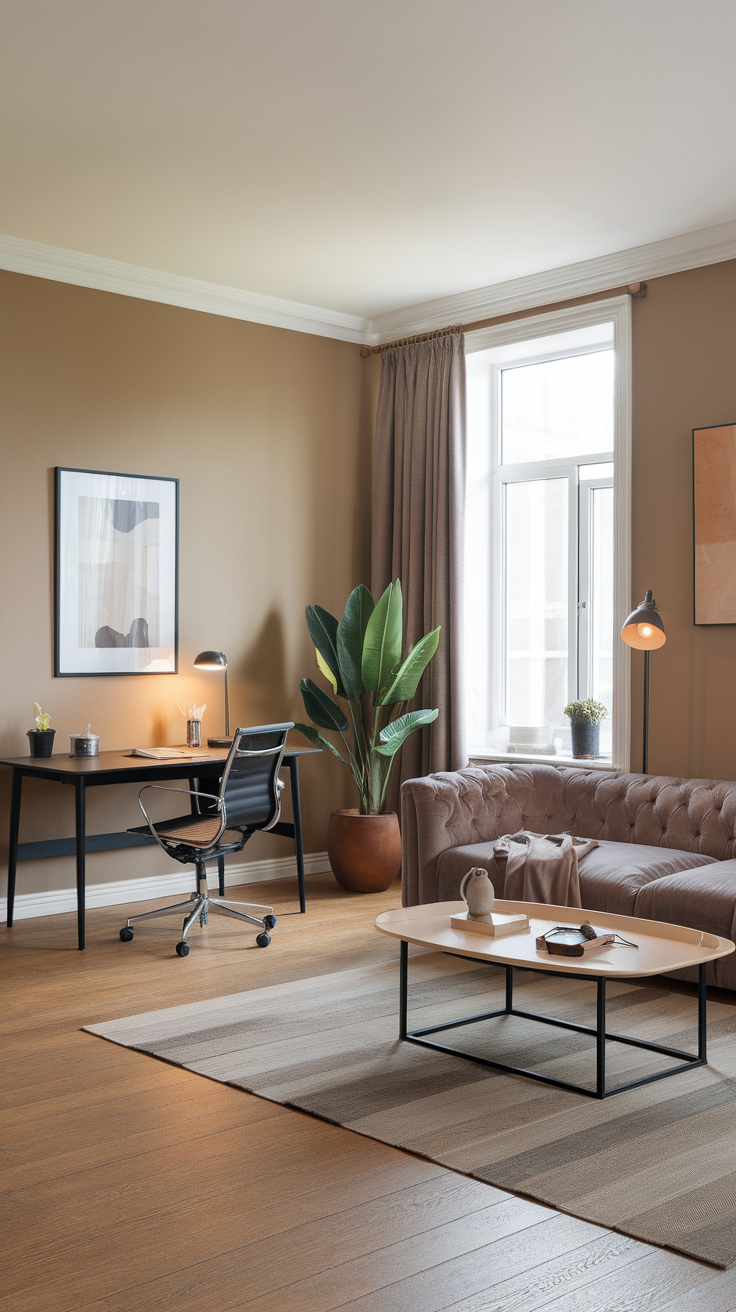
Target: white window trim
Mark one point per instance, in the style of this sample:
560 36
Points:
616 310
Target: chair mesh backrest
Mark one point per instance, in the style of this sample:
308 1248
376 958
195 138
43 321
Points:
248 786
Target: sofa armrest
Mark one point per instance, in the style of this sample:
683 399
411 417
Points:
449 810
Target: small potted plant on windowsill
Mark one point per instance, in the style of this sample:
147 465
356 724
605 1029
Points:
42 737
360 658
585 726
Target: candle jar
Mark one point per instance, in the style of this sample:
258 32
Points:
194 733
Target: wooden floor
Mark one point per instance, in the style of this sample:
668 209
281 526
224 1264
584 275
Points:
128 1184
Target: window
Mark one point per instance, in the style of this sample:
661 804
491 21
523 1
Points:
547 530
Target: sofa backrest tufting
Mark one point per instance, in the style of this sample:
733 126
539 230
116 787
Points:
480 803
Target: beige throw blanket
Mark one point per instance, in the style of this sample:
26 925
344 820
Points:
542 867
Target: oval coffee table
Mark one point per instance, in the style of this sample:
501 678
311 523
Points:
660 948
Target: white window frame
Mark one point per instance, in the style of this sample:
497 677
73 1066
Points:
615 310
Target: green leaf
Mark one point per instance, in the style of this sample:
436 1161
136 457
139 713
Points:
324 668
323 632
395 734
382 645
350 637
321 708
315 737
407 677
380 769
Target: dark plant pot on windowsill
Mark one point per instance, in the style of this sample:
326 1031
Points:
42 741
586 739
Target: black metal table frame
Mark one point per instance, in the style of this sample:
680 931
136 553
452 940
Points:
689 1062
83 842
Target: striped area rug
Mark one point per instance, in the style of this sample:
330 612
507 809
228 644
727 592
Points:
658 1163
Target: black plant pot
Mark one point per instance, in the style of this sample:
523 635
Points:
586 739
42 741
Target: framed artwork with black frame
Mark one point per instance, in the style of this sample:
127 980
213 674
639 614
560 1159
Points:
117 573
714 524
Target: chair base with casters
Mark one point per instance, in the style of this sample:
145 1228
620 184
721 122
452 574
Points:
249 801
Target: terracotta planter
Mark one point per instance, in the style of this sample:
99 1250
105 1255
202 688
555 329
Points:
364 850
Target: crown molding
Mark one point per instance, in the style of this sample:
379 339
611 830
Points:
691 250
18 255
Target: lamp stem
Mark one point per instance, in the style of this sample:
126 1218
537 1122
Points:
646 712
227 707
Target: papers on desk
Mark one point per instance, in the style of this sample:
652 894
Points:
163 753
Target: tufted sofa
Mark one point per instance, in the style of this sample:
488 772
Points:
667 847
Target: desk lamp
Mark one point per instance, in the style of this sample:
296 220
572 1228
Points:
644 630
216 660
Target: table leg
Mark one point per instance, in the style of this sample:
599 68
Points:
221 876
79 798
403 988
297 813
701 1013
13 840
509 988
600 1039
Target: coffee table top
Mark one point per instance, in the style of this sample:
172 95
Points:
661 947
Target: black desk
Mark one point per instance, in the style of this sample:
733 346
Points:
122 768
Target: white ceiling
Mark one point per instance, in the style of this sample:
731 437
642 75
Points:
363 157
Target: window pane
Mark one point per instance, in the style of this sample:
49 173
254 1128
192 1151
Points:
536 607
601 602
558 409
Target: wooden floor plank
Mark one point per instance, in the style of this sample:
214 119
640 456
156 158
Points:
533 1288
715 1295
127 1183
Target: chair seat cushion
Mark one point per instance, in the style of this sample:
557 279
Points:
611 876
193 830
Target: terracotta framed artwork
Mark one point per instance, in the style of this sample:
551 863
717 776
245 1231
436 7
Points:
117 573
714 524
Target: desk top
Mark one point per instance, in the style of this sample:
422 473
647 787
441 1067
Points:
661 947
121 762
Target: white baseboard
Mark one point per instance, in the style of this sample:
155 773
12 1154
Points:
121 891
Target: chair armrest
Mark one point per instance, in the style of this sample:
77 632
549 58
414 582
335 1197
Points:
185 792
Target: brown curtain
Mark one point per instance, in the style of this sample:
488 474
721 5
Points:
418 510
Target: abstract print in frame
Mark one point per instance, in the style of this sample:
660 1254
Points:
117 567
714 524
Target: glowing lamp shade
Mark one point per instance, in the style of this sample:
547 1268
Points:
644 628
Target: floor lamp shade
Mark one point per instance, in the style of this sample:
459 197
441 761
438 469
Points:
644 630
216 660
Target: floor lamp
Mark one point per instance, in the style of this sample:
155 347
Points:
645 631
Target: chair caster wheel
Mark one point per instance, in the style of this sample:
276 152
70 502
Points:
263 940
126 934
269 922
182 949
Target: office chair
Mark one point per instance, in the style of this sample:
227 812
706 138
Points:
249 800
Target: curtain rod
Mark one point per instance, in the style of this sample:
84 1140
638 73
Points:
365 351
637 290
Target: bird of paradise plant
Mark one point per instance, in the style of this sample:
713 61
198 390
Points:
360 657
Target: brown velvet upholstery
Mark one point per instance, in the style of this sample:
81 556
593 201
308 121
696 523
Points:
610 876
447 819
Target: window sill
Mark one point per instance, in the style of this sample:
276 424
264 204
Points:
517 758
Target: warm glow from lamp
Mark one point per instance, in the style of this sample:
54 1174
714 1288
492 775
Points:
644 628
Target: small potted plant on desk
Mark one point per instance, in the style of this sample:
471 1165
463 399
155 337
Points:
42 737
585 726
360 657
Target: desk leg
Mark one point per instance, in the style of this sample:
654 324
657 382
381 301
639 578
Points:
297 813
13 840
79 798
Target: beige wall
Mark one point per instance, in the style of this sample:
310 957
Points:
269 434
684 378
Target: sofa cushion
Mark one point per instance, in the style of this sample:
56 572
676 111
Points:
611 876
702 899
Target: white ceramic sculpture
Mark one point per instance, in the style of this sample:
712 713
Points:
480 895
